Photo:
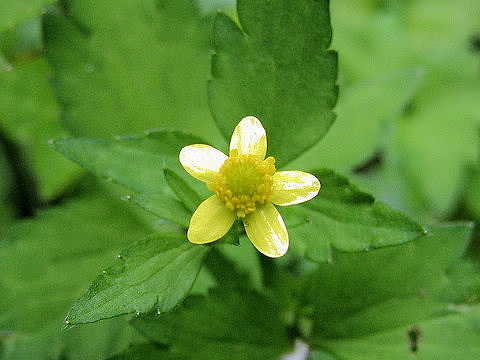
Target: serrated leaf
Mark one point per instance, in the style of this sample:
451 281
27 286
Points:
353 282
386 293
112 82
15 12
46 262
135 162
30 116
241 325
343 217
278 68
141 280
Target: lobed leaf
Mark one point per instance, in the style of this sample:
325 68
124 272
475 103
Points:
381 296
278 68
343 217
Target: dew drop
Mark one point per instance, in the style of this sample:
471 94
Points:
89 68
126 197
67 322
104 272
119 256
425 232
158 312
137 313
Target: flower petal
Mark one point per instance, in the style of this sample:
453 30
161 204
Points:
294 187
249 137
266 230
202 161
210 221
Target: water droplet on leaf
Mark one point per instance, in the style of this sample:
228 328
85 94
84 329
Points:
89 68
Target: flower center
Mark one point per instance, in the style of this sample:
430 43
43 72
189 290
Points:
244 181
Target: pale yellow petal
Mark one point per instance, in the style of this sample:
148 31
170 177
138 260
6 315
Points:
249 137
202 161
210 221
294 187
266 230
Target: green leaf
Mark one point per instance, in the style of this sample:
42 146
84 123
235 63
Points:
438 133
224 325
46 262
463 286
15 12
29 115
110 81
83 342
343 217
366 110
277 68
162 206
442 153
183 191
154 273
23 43
453 336
213 5
386 293
472 196
136 162
353 282
145 352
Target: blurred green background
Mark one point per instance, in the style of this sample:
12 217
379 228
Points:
407 131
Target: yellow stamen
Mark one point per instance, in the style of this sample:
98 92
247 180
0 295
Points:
243 182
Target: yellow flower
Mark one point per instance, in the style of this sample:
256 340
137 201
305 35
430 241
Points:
246 185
